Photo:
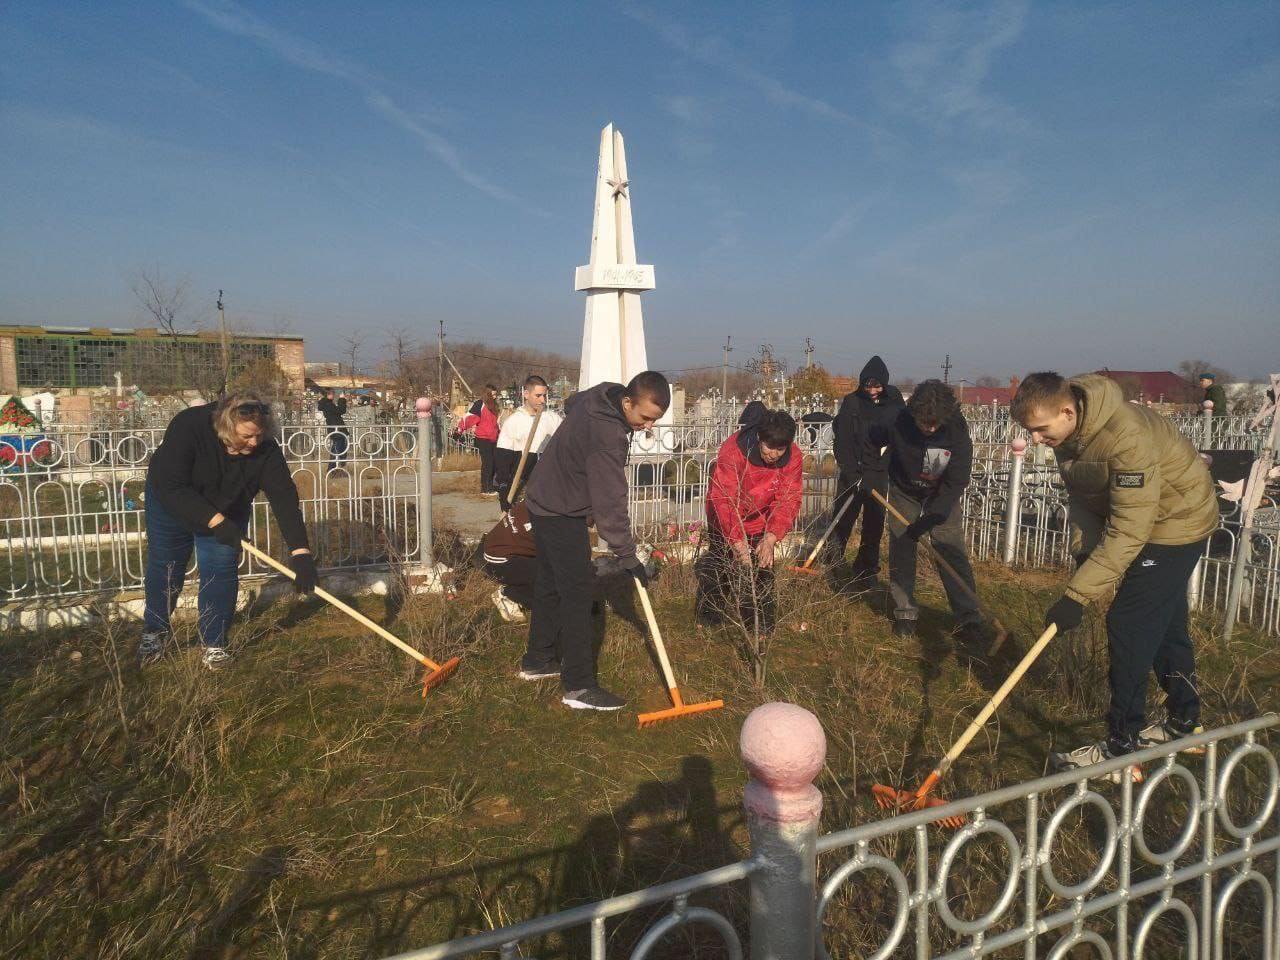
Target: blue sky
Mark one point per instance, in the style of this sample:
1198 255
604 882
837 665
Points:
1021 185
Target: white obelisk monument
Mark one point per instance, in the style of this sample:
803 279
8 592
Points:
613 333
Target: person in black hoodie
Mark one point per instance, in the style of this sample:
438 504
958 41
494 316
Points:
863 466
930 462
200 488
334 411
581 473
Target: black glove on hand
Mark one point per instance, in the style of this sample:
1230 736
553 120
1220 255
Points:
228 532
922 525
1066 613
304 572
634 567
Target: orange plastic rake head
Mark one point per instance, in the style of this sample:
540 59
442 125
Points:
908 801
677 709
438 674
811 571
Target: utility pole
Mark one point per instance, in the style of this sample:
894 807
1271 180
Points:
226 350
808 354
440 362
724 369
946 369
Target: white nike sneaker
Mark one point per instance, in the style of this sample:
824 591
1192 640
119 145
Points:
1168 731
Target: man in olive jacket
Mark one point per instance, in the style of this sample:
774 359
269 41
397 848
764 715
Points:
1141 506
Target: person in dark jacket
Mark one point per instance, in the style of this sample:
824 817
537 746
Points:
334 410
930 463
483 419
863 466
199 494
507 555
753 500
582 472
1214 392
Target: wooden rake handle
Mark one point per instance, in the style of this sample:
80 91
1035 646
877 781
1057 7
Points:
831 526
942 564
355 615
524 456
656 634
992 705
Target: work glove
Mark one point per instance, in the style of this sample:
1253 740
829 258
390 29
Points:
227 532
922 525
304 572
635 566
1066 613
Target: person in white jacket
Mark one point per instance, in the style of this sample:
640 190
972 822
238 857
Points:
514 433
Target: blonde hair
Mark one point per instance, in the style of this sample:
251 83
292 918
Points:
227 414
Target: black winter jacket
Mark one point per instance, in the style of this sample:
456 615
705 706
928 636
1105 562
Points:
194 477
858 415
931 469
582 469
333 411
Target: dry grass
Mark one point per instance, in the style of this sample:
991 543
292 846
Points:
307 803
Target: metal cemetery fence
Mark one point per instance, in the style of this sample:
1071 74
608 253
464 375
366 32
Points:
71 508
1188 860
71 516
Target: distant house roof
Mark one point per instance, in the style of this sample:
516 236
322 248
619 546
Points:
985 396
1155 384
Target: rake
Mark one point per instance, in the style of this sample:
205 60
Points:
904 801
524 456
436 673
1001 633
807 566
678 707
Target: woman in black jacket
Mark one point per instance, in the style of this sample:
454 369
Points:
200 488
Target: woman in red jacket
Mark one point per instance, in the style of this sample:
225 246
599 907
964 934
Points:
483 418
752 501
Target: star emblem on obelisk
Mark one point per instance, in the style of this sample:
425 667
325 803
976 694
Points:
619 187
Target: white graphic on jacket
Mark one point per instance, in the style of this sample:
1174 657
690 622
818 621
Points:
935 465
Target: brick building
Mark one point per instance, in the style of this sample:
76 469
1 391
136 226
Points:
71 358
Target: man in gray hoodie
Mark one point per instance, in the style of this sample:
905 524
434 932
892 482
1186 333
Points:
582 473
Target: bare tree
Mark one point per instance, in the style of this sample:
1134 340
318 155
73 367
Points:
165 304
986 380
352 344
1191 369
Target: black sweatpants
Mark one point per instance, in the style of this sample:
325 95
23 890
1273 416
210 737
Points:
868 556
517 576
1146 631
729 589
560 622
486 448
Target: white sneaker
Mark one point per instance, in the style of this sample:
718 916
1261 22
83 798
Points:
1088 756
508 609
1167 731
215 658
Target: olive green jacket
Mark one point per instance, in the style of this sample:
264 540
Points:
1132 479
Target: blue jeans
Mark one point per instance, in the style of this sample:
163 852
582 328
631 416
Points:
169 545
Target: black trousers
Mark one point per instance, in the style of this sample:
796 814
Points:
1146 631
728 588
560 621
486 448
504 473
948 539
339 444
517 576
868 556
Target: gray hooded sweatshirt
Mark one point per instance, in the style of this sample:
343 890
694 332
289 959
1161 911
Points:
582 470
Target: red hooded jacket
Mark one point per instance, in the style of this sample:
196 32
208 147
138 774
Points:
483 419
746 497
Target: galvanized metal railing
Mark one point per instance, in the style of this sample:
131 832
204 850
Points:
1197 876
802 886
